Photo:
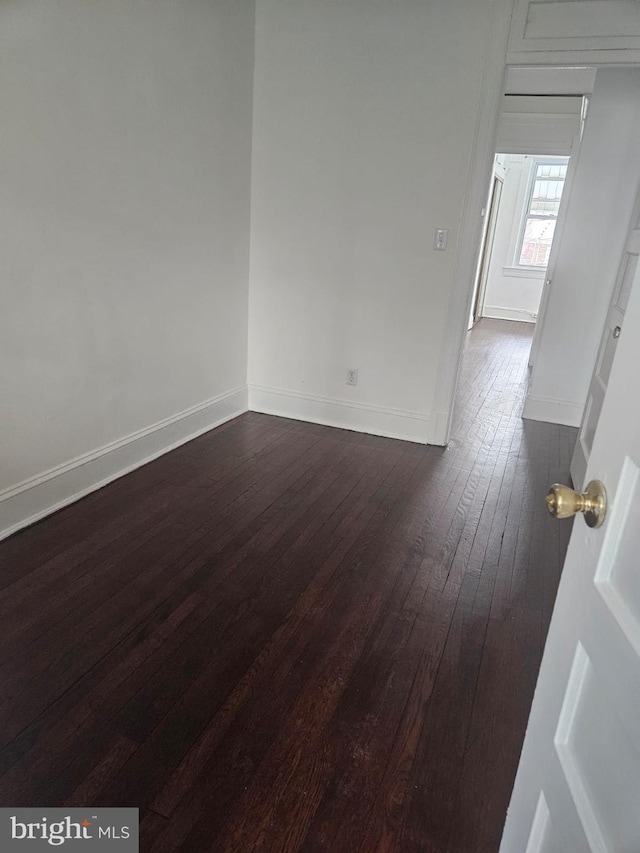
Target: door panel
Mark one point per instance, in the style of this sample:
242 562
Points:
617 578
543 838
594 748
630 264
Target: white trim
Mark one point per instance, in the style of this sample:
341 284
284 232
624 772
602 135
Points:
346 414
620 57
497 312
32 499
438 431
524 272
479 171
549 410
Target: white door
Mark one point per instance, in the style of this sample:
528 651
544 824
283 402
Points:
606 351
495 194
553 254
578 784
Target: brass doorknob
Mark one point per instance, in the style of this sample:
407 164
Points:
563 502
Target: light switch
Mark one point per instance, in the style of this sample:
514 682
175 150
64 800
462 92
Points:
440 241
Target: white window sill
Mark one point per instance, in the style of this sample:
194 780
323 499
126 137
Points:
524 272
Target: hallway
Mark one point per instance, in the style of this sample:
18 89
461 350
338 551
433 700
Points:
283 636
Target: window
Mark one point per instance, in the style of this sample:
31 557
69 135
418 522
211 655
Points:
541 212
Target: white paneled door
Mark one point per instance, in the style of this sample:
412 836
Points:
578 783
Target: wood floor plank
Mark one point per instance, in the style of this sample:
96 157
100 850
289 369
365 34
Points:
286 637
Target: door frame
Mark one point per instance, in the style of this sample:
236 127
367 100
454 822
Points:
478 177
479 172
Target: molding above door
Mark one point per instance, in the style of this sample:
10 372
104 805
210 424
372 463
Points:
575 32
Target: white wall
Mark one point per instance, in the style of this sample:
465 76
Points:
599 207
512 292
124 234
364 120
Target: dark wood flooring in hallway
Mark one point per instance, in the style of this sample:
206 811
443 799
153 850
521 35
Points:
284 637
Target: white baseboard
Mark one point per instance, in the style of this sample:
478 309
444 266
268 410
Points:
361 417
565 412
497 312
39 496
439 432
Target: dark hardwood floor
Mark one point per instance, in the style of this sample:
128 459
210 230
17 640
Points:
286 637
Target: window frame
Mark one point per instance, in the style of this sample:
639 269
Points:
526 208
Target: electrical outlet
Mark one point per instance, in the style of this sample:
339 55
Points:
352 377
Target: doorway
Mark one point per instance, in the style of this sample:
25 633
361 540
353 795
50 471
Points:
544 126
524 201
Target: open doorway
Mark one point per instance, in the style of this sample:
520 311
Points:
523 205
536 146
524 200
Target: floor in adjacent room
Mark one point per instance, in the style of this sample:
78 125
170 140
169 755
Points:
283 636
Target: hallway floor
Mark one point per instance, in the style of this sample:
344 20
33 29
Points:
283 636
